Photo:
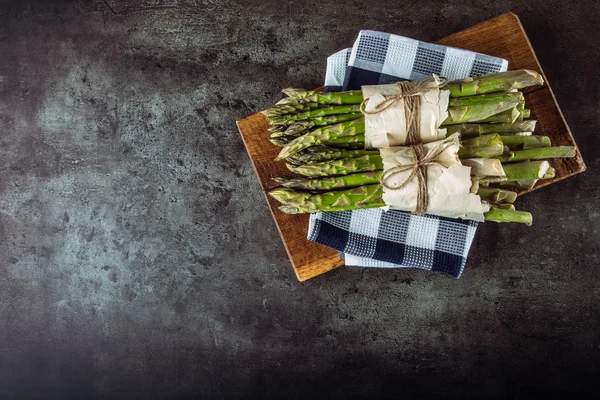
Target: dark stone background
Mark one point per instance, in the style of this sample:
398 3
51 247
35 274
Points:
138 258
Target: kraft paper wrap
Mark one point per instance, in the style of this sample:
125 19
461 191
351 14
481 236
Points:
388 127
448 185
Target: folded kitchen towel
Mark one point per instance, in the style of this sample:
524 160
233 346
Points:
397 239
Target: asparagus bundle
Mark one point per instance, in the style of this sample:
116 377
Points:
323 140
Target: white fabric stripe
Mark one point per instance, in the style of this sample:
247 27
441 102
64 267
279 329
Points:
400 56
457 63
336 68
422 232
354 261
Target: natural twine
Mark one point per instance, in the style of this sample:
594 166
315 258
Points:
410 92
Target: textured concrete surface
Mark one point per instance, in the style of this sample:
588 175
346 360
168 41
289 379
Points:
138 258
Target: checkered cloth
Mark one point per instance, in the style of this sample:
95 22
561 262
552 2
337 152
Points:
397 239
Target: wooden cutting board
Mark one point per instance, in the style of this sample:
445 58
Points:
503 37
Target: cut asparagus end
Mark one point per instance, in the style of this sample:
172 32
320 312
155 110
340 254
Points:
501 215
549 174
494 195
527 170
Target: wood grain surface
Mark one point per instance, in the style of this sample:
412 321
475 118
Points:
503 37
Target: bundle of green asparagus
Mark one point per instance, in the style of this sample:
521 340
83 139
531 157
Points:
323 139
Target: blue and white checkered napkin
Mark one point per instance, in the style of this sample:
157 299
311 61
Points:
397 239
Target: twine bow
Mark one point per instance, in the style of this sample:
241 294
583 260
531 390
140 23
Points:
418 169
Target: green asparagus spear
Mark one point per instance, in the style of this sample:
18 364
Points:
498 214
485 146
508 116
317 112
497 82
478 112
350 199
291 108
325 153
486 98
339 167
538 154
367 196
526 142
301 127
337 182
471 130
331 98
323 136
527 170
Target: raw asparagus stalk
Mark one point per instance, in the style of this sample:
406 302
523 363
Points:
301 127
325 153
527 170
524 114
337 182
494 195
322 136
317 112
350 199
486 98
538 154
497 82
339 167
292 107
479 112
498 214
508 116
304 210
367 196
331 98
470 130
526 142
485 146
